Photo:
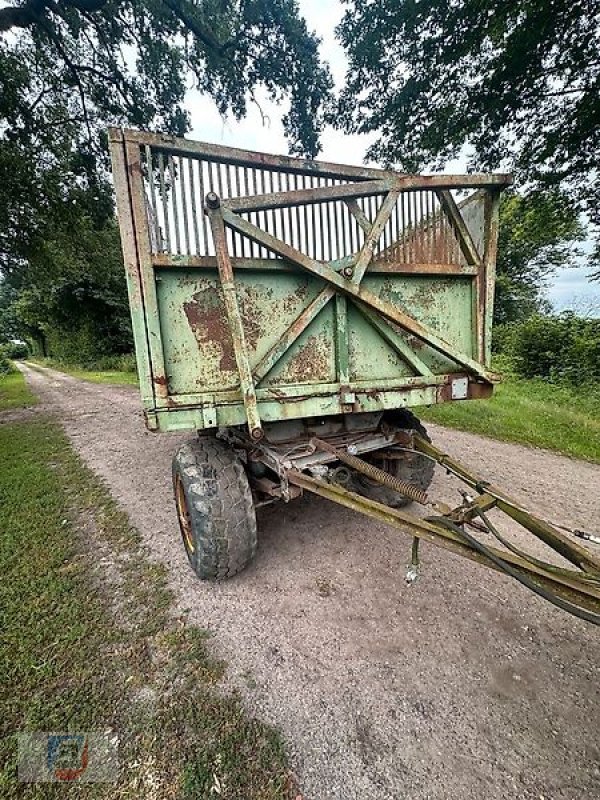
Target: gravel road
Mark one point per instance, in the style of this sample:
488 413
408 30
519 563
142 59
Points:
461 686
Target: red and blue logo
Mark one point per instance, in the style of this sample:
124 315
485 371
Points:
67 755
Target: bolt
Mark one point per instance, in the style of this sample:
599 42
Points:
348 272
257 434
213 200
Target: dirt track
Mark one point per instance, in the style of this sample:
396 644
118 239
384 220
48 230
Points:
462 686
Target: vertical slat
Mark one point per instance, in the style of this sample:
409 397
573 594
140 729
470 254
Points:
238 239
231 235
416 226
431 227
150 176
274 219
164 200
423 232
385 235
404 229
267 221
409 221
281 211
256 248
313 225
330 224
246 247
171 166
202 190
298 219
346 248
292 239
184 207
195 230
321 227
399 234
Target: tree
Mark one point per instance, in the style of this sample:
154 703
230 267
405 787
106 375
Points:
536 238
69 68
100 61
514 84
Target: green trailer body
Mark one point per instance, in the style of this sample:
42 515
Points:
289 312
311 289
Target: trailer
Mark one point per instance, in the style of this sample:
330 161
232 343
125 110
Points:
293 314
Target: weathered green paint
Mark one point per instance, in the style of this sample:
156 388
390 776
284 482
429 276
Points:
234 335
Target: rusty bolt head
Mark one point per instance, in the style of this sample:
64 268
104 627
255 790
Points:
348 272
257 434
213 200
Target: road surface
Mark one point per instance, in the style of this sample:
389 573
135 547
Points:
461 686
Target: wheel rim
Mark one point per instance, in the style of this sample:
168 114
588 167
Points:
185 522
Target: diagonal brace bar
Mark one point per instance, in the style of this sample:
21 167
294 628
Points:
268 361
374 234
395 341
465 240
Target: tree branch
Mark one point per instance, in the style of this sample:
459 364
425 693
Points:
192 24
32 13
21 16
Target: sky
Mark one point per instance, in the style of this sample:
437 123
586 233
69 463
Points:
569 288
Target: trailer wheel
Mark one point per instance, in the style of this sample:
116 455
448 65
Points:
214 507
415 469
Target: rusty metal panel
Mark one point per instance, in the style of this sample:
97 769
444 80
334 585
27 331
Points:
266 287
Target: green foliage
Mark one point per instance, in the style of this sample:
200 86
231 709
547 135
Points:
15 350
536 238
120 370
515 83
73 296
6 365
562 349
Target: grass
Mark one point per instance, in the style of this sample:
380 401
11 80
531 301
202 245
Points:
114 376
14 392
88 643
532 412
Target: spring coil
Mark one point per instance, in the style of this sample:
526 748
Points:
407 489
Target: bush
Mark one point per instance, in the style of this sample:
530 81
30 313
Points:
114 363
561 348
6 365
123 363
16 350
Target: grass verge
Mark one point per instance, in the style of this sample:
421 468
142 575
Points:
113 376
88 643
530 412
14 392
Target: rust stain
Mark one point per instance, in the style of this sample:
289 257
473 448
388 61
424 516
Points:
311 361
209 325
255 307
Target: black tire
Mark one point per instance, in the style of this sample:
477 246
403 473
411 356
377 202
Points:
414 469
214 507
